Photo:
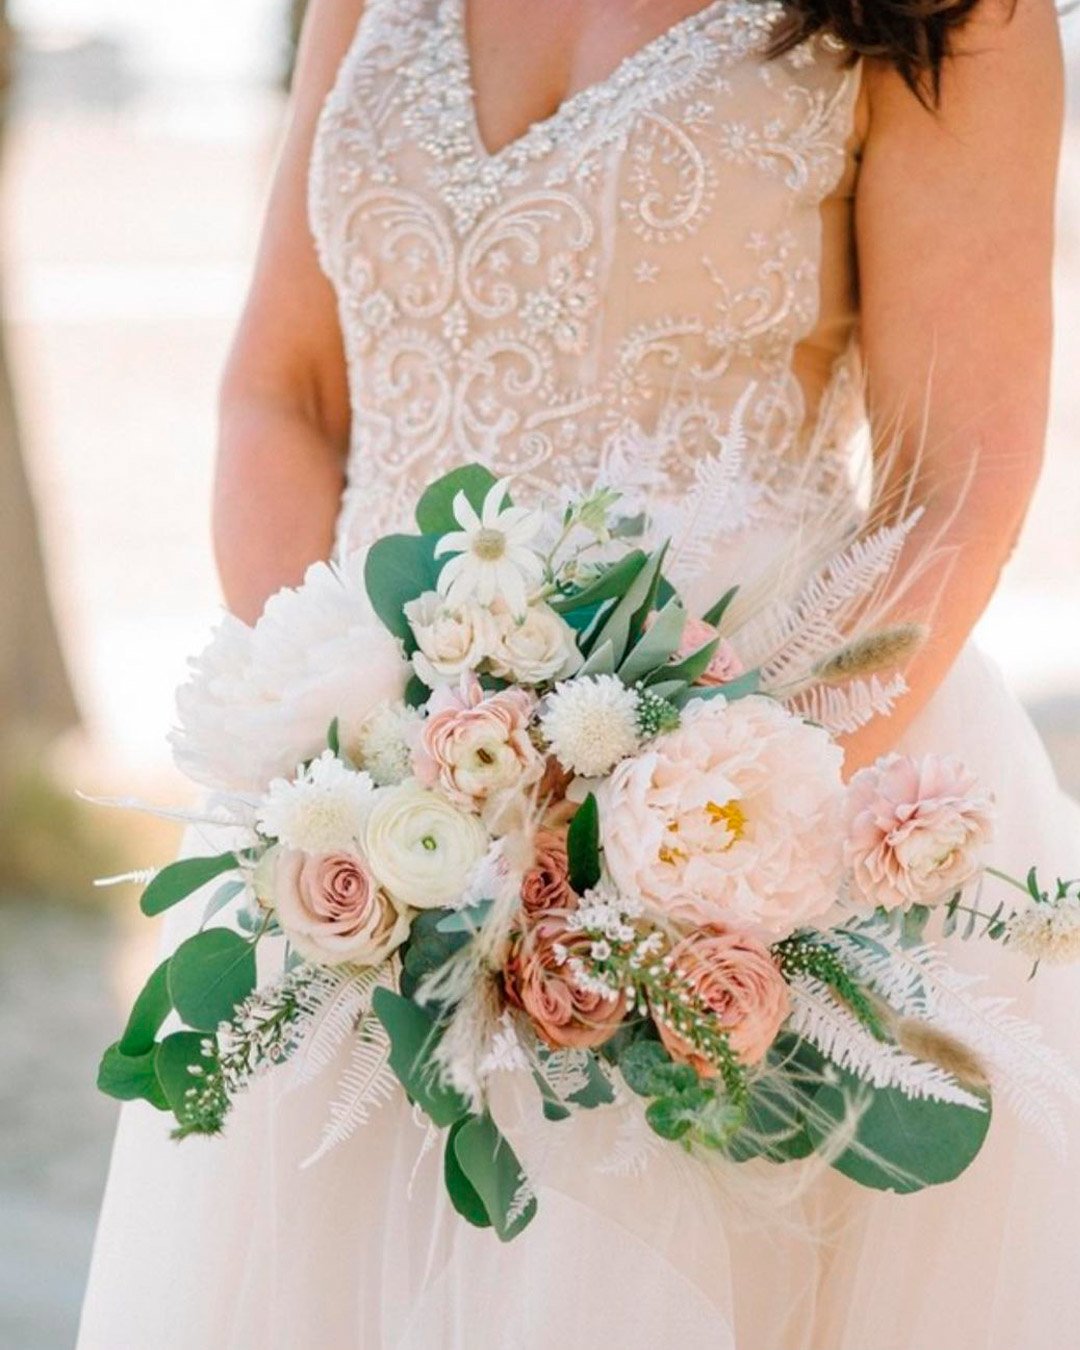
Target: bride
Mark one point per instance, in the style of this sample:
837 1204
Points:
572 240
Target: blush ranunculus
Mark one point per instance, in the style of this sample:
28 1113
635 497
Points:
546 885
733 819
734 977
538 978
332 910
915 830
475 746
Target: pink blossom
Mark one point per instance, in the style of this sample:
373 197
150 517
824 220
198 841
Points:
546 885
332 910
734 819
475 746
915 830
734 977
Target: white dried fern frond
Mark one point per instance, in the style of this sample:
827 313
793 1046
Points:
1028 1074
843 709
334 1003
812 626
842 1038
566 1072
635 1143
366 1084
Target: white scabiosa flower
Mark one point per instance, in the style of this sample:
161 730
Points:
383 743
591 724
493 559
1049 932
322 810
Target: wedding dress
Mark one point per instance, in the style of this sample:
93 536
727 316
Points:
667 255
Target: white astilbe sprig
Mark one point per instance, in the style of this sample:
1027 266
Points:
841 1037
793 635
366 1084
918 982
334 1003
843 710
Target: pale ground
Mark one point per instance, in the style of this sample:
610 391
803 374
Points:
130 212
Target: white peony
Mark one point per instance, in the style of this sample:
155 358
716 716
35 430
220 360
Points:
537 647
321 810
260 700
421 847
452 639
591 724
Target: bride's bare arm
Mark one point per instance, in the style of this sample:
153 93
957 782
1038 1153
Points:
955 237
284 406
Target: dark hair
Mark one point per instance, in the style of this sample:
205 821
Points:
914 35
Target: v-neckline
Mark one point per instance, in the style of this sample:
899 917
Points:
625 69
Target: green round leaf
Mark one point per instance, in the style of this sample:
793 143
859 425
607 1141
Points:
173 1062
131 1078
463 1195
435 509
901 1144
181 879
491 1167
209 975
399 568
151 1009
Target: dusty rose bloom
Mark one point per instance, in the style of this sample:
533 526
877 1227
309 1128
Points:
473 747
734 976
332 910
725 665
915 830
547 885
538 978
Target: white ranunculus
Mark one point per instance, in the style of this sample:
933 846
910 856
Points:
260 700
421 847
538 647
452 639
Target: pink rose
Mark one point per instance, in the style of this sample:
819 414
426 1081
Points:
915 830
539 978
733 819
725 665
546 884
332 910
475 746
735 978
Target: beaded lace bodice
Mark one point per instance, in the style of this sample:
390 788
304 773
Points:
652 288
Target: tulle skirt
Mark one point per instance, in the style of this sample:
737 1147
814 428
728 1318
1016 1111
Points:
233 1244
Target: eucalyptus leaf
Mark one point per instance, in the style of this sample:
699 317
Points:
619 626
901 1144
468 920
715 616
414 1033
416 692
131 1077
463 1194
745 686
181 879
209 975
651 1072
492 1169
688 670
435 509
399 568
148 1013
173 1061
601 661
583 846
656 646
221 899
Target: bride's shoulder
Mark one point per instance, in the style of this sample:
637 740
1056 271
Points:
328 33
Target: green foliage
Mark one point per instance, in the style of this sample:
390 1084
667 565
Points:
131 1077
463 1194
683 1106
209 975
430 946
414 1033
399 568
780 1098
583 846
743 687
656 646
175 1058
491 1168
609 585
435 509
901 1144
689 669
715 616
148 1013
622 626
809 953
181 879
468 920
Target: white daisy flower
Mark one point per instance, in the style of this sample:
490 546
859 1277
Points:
1049 932
591 724
322 810
493 559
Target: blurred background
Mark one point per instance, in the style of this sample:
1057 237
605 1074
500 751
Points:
137 142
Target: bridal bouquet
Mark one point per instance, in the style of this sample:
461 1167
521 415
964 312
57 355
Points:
498 804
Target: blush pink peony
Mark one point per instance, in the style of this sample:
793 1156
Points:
915 830
735 818
475 746
734 977
538 978
332 910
